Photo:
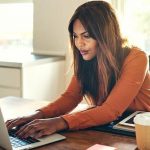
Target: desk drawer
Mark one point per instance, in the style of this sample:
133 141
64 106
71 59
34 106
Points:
9 92
10 77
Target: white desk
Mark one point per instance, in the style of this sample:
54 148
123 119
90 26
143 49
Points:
13 107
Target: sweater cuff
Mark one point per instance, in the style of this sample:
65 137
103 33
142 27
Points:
76 122
71 121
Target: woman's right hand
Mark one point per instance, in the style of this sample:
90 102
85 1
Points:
20 121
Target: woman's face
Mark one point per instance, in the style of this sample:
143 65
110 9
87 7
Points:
84 43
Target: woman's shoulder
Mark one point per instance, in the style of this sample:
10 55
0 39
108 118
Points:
137 55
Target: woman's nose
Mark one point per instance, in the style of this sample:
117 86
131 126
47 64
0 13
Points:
80 43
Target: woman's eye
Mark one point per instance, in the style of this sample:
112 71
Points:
87 36
74 36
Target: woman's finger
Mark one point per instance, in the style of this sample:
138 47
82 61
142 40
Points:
44 132
13 123
29 129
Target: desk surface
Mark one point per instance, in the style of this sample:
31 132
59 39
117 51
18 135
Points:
76 140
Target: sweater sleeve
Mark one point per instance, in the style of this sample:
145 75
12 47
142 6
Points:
66 102
121 96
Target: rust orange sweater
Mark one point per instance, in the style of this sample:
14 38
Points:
132 92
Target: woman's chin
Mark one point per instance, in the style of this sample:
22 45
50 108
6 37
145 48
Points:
87 58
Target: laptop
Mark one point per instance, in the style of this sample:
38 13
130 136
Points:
9 141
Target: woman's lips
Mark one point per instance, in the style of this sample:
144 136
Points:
83 52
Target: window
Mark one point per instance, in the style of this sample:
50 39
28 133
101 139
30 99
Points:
136 24
16 25
134 18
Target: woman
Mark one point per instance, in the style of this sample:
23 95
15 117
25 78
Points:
111 75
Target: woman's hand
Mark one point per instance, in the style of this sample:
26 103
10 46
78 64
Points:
42 127
23 120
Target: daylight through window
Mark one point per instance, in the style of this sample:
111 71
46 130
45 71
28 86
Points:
16 26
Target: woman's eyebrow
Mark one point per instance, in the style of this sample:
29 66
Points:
80 33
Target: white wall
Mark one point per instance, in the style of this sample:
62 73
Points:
44 81
50 29
51 17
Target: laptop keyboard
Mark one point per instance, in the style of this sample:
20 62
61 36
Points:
18 142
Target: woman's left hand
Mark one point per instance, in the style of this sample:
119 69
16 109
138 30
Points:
42 127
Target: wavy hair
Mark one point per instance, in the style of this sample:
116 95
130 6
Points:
99 75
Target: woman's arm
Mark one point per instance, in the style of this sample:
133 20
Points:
66 103
38 122
122 95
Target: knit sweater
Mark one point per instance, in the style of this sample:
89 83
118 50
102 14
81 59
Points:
132 92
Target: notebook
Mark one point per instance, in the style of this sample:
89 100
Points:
9 140
101 147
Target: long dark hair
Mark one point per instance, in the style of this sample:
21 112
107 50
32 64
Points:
99 75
